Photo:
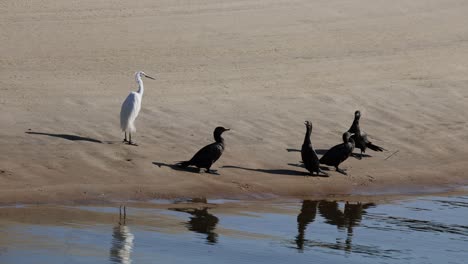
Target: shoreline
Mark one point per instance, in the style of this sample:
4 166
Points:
375 194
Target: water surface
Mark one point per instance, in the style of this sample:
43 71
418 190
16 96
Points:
416 230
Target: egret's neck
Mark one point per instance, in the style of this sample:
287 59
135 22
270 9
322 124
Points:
141 88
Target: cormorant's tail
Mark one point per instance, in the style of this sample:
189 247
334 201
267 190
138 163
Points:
184 164
375 147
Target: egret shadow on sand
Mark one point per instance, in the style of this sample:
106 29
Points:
66 136
276 171
179 168
318 151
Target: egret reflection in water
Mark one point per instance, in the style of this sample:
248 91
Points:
122 240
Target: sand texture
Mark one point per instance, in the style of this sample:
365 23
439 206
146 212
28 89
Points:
259 67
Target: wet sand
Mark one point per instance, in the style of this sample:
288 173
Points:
258 67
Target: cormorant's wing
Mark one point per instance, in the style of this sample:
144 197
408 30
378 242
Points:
309 151
211 152
334 155
364 137
360 141
369 144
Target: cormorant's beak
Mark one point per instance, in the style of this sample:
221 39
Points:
149 77
227 129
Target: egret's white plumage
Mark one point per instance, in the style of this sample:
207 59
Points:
131 107
129 112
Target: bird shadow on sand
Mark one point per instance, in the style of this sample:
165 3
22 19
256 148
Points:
301 165
274 171
323 151
66 136
355 155
318 151
179 168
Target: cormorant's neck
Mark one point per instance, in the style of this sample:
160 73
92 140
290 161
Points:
307 135
219 138
355 126
141 88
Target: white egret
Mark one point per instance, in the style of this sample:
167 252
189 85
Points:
131 107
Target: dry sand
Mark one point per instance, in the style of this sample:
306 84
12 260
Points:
259 67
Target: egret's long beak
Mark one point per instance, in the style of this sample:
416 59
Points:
149 77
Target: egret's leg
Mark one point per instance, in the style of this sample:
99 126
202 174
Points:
125 139
125 215
120 215
130 138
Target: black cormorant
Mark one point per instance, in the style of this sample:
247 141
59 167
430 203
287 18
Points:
360 137
309 157
209 154
339 153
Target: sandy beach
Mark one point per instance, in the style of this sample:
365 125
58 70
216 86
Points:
258 67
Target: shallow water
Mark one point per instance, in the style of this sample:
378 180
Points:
416 230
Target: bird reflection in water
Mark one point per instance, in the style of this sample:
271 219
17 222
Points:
353 216
307 215
201 222
348 218
122 240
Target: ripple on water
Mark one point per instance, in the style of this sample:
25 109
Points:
419 230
